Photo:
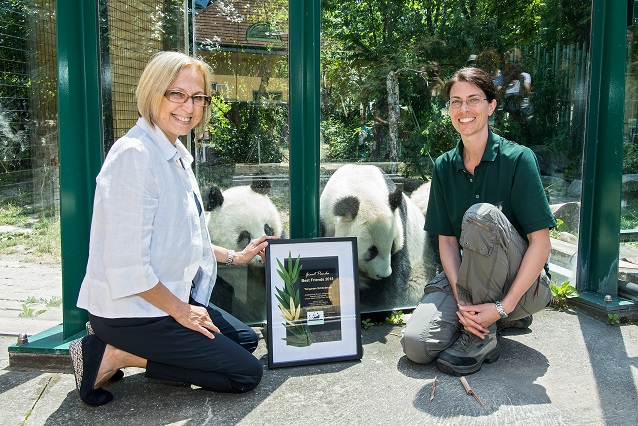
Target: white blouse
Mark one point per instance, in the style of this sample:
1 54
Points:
147 228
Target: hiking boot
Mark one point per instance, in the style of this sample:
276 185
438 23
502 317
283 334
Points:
468 353
520 324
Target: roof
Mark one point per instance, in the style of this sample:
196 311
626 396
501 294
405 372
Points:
241 23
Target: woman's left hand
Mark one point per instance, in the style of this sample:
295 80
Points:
254 248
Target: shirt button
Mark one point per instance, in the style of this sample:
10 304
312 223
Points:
471 180
477 197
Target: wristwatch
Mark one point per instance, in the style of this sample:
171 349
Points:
500 309
231 256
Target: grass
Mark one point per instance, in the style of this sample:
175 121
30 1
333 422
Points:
41 235
629 214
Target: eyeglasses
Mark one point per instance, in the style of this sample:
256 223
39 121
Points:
471 102
178 97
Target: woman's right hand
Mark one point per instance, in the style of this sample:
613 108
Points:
190 316
196 318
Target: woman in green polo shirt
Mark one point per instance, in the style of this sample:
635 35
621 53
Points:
488 207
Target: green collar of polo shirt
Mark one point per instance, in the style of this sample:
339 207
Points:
491 150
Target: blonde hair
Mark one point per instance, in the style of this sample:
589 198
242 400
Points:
157 77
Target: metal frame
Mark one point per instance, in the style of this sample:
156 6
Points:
599 233
304 117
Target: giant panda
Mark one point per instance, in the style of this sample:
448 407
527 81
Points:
240 214
235 217
362 201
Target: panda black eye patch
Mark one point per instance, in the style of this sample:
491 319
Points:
243 239
371 253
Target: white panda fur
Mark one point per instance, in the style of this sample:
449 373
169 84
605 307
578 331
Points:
240 214
362 201
421 196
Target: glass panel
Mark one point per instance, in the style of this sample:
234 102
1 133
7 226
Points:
629 211
383 66
243 155
130 34
29 184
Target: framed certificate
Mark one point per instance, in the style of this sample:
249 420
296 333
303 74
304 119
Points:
313 301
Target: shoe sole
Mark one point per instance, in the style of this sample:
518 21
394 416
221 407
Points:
456 370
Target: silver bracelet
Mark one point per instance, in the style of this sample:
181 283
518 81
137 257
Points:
500 309
231 256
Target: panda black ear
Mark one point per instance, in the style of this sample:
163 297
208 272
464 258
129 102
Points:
260 184
215 199
268 230
396 198
347 206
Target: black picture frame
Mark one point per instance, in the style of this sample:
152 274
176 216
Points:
312 287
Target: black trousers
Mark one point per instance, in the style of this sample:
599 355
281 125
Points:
176 353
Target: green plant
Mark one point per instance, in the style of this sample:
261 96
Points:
53 302
395 318
561 293
367 323
290 306
341 138
557 229
613 319
254 133
28 311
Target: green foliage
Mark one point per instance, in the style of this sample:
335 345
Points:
629 214
560 225
395 318
14 85
561 293
248 132
28 310
613 319
363 41
438 133
630 158
367 323
342 140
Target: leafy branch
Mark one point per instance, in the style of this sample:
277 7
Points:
289 304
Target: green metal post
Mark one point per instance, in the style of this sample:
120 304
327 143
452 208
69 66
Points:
81 144
304 117
602 172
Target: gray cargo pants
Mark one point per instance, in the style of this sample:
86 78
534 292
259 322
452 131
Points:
492 254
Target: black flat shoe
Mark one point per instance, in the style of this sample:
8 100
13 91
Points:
86 356
119 374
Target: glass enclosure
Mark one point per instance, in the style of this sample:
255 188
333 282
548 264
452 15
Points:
130 34
242 160
29 184
629 210
383 65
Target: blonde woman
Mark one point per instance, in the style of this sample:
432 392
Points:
151 267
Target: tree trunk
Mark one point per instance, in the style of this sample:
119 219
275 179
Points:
392 82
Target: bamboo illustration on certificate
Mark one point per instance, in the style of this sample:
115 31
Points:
308 299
